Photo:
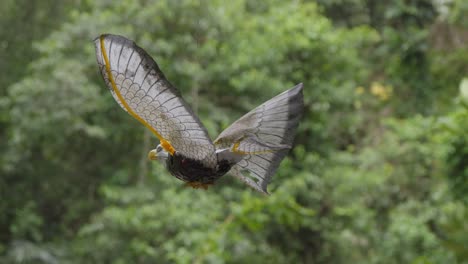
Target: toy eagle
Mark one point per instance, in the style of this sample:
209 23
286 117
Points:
250 149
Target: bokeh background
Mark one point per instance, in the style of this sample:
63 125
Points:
378 173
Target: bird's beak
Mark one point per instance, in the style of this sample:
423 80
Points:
152 155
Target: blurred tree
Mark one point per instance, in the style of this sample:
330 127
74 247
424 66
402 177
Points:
23 23
370 180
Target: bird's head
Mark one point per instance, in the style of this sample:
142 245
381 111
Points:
158 154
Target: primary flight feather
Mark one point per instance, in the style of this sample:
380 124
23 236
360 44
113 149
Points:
250 149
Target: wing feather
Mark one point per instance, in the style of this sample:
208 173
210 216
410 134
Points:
140 88
272 125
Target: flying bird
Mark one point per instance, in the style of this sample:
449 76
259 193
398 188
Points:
250 149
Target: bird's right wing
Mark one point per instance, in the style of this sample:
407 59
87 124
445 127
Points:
263 137
140 88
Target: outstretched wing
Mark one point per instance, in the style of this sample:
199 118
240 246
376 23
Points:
264 136
140 88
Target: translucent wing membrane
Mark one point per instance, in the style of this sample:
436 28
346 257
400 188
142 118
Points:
264 136
140 88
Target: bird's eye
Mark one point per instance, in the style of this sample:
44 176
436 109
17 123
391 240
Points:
159 148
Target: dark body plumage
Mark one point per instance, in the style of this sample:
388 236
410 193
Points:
193 171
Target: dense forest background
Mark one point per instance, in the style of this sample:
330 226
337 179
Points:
378 175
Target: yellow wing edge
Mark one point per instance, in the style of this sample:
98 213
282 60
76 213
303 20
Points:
235 149
164 143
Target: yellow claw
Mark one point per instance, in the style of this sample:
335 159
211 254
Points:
199 185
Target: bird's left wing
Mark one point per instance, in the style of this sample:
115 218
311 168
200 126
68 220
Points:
262 138
140 88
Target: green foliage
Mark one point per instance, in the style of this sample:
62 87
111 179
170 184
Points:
459 9
452 134
378 173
